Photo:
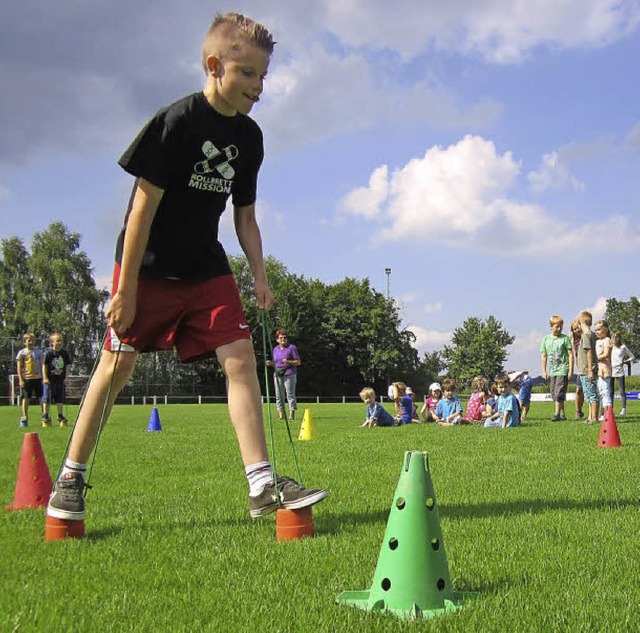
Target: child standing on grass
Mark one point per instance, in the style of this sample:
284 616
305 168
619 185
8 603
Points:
428 411
620 356
603 353
29 368
449 409
587 366
173 286
508 414
376 414
557 349
56 366
576 335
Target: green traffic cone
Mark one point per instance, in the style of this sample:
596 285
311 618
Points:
412 577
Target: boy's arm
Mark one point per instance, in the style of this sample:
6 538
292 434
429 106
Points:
20 370
543 364
250 240
45 372
570 352
122 310
590 361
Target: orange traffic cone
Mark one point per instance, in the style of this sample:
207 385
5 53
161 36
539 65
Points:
33 486
609 436
294 524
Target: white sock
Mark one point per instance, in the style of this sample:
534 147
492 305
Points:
74 467
258 476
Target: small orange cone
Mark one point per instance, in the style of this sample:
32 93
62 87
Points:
294 524
57 529
33 485
609 436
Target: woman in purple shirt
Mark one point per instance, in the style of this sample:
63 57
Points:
286 360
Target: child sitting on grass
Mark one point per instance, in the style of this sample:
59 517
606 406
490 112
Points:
403 402
414 410
491 405
377 415
476 404
428 411
508 414
449 409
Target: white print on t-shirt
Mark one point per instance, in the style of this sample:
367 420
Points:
217 159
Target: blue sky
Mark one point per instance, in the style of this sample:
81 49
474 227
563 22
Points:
487 152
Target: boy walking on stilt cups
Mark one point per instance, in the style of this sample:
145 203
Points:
172 284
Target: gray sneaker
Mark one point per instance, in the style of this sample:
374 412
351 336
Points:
67 500
293 496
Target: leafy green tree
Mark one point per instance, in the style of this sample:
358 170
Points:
478 349
429 369
52 289
624 317
65 297
16 283
347 334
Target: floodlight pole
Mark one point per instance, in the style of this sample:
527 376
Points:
387 272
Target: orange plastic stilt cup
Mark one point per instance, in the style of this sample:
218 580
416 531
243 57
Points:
58 529
294 524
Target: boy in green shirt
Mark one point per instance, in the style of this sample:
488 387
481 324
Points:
558 350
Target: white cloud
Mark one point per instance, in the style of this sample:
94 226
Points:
459 195
598 309
318 95
429 340
498 30
553 174
432 308
367 201
522 350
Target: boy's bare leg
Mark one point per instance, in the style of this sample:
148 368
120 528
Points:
67 500
245 409
245 400
86 429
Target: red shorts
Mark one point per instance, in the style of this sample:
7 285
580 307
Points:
194 317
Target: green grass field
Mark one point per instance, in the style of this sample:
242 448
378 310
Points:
538 520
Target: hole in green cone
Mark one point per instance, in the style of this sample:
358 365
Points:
435 543
430 503
440 584
393 543
400 503
386 584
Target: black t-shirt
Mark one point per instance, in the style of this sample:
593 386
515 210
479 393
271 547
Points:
57 363
199 158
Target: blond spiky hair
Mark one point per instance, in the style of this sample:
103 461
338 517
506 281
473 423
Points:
222 36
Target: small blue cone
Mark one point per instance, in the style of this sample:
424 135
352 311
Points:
154 421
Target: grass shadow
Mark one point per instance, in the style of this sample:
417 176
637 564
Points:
530 506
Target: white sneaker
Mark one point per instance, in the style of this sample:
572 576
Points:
623 412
